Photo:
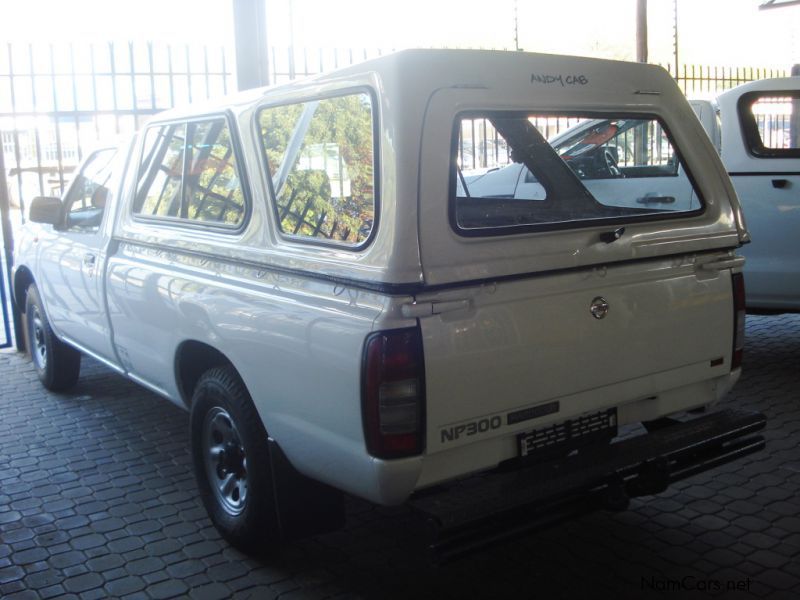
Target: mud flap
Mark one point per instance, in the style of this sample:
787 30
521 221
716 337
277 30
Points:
305 507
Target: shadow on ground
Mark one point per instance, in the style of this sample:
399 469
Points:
97 499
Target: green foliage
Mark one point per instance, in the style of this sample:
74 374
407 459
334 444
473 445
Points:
306 205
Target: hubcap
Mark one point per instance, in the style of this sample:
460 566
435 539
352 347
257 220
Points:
39 348
225 461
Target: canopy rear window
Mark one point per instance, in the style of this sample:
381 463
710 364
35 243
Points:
516 171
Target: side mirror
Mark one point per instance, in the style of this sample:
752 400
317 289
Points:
46 209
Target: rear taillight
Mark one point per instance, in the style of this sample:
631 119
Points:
738 320
393 393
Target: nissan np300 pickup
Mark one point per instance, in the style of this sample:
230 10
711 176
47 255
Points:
337 281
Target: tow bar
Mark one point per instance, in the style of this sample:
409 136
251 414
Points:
481 510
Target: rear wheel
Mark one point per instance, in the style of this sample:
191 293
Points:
231 461
57 364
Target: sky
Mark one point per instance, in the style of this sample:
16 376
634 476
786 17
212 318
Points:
715 32
720 32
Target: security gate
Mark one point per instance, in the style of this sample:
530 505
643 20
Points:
58 101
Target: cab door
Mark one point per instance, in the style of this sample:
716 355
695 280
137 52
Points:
771 202
71 259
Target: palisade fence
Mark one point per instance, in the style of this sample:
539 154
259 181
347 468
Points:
699 81
58 101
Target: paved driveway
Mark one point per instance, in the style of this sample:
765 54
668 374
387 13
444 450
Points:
97 499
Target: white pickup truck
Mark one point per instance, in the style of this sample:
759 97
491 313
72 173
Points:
756 129
311 272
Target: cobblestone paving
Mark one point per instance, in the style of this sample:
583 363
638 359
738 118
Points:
97 500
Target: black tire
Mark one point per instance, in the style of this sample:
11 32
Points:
57 364
229 444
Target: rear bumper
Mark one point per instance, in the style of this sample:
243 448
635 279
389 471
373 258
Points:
494 506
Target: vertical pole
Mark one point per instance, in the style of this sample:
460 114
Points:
131 57
640 133
794 119
36 137
675 34
8 250
112 59
188 72
17 146
641 31
150 64
250 35
57 123
75 103
292 73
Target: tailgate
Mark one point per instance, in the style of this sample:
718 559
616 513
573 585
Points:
509 356
579 289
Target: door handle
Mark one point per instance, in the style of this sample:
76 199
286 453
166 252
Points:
780 183
656 200
89 260
732 262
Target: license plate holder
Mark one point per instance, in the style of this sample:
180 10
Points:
561 438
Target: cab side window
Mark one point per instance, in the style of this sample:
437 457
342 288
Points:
189 172
771 124
321 158
85 202
161 171
213 192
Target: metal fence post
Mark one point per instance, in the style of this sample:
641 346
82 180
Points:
641 31
8 251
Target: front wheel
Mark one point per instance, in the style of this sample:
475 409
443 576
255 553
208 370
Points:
57 364
231 461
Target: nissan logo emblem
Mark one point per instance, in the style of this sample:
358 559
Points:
599 307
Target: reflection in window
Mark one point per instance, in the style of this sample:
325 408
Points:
321 160
86 199
189 171
213 190
605 148
158 191
598 169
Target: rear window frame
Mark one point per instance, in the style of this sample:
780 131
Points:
376 166
753 142
489 232
197 224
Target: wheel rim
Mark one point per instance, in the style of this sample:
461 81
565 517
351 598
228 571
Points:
225 461
37 335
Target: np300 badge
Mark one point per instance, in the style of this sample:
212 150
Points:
481 426
599 307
